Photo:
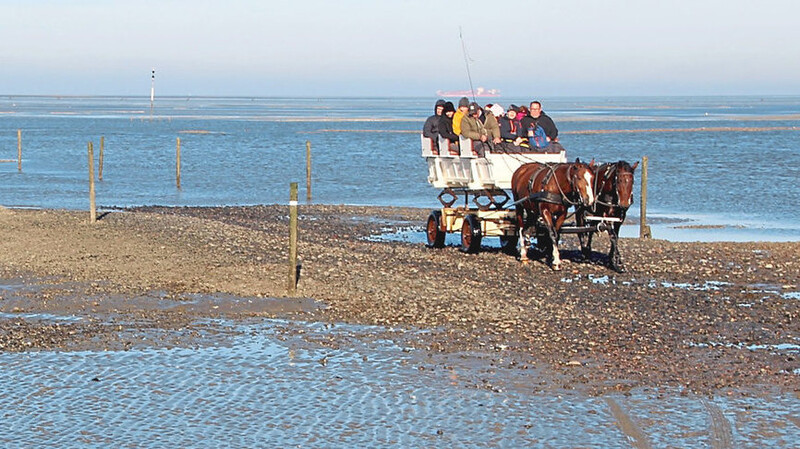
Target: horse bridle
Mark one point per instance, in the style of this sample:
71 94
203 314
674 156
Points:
615 195
572 179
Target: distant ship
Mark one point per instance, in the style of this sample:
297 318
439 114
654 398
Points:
479 92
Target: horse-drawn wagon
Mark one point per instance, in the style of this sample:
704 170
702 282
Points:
484 182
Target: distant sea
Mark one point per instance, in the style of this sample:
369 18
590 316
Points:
720 168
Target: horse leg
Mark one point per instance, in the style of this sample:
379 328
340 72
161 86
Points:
523 247
554 233
585 239
586 244
522 242
555 257
614 258
556 254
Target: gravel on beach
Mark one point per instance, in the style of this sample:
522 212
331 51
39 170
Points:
703 317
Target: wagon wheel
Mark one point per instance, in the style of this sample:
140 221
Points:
471 234
508 244
433 230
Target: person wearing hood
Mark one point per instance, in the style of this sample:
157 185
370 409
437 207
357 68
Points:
431 127
446 126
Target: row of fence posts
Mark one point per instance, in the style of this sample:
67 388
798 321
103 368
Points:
644 229
294 267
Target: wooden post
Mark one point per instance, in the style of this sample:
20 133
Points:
92 209
644 230
292 238
100 162
178 164
308 171
19 150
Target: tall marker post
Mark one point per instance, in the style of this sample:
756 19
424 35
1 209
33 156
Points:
19 150
92 208
644 230
178 163
292 238
100 162
152 91
308 171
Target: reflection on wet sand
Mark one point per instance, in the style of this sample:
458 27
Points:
265 383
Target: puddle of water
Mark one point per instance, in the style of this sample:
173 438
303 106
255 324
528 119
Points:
705 286
762 288
280 381
597 280
772 289
782 347
40 316
778 348
12 285
415 235
603 280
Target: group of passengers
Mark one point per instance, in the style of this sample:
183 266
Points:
517 130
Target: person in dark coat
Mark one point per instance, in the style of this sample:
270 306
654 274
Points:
446 125
510 130
544 121
431 127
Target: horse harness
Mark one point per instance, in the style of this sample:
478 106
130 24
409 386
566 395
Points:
550 197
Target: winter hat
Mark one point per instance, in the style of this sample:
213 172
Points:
514 108
497 110
463 102
448 107
473 108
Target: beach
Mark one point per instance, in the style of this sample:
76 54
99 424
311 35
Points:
709 318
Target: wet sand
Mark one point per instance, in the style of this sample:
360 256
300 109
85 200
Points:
716 318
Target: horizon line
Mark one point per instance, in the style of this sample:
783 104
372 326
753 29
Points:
179 96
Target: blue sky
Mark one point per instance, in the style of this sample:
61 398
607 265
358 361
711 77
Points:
401 47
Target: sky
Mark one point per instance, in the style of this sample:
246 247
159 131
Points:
400 47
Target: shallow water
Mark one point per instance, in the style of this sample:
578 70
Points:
274 383
366 151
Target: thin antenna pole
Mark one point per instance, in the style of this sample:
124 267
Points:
152 91
466 62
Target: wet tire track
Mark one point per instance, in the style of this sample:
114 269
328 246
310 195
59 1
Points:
635 435
720 430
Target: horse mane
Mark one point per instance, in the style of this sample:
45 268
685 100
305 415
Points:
625 165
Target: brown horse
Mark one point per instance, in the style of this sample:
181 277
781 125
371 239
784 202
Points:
543 193
613 185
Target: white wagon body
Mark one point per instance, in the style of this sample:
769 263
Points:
467 170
